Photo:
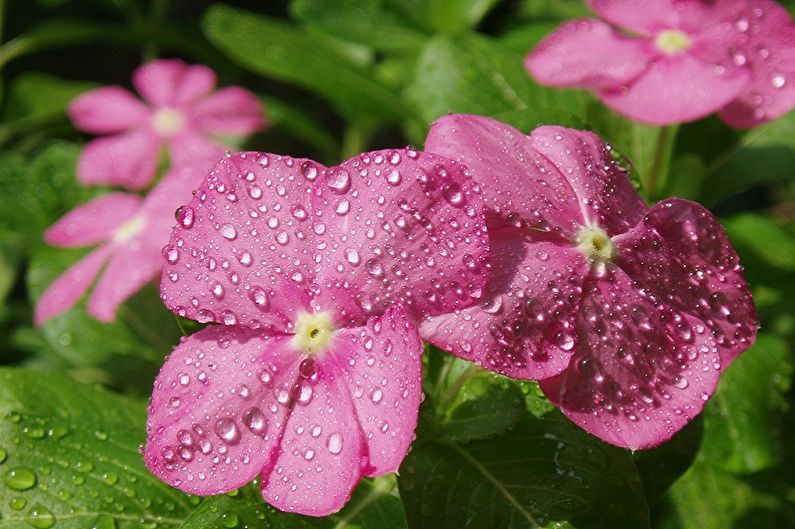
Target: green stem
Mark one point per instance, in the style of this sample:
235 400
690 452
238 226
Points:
455 388
156 20
658 173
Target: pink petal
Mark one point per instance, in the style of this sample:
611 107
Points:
398 226
241 251
650 16
128 159
677 89
770 53
94 221
587 54
322 454
171 82
139 260
503 160
70 286
231 111
635 379
190 148
681 256
382 366
606 195
526 326
218 409
108 110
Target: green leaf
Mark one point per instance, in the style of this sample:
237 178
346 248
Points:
765 238
69 459
294 122
451 16
471 74
276 49
485 405
49 34
744 418
542 474
374 23
373 506
763 155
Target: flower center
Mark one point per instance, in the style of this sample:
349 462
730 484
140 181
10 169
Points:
313 332
672 41
129 229
168 121
595 244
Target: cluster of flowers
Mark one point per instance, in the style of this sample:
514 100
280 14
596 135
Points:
184 115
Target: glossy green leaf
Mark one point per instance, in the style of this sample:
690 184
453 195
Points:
69 459
276 49
541 474
765 238
374 505
472 74
744 418
34 98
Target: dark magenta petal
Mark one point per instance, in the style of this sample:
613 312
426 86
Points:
219 409
322 453
606 196
680 255
381 364
241 252
526 325
398 226
588 54
641 370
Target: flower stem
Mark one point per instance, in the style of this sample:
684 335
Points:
658 173
455 388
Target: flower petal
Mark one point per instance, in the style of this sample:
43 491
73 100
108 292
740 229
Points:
93 221
399 225
647 17
128 159
70 286
635 379
525 328
770 53
240 252
171 82
680 254
322 454
605 193
677 89
108 110
219 408
230 111
382 366
190 149
502 160
588 54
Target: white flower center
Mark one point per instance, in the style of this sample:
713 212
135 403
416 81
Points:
595 244
672 41
313 332
168 121
129 229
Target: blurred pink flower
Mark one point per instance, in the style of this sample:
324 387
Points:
626 315
672 61
130 230
182 113
318 275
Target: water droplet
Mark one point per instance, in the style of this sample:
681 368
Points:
228 231
680 382
343 206
352 256
394 178
778 81
185 216
259 297
334 443
339 180
377 396
20 478
3 455
227 430
453 194
104 522
309 170
229 520
255 421
170 253
17 503
40 517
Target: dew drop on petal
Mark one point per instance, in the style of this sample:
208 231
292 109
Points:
226 429
228 231
334 443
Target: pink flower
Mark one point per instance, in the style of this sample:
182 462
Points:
680 61
182 114
318 275
130 232
625 314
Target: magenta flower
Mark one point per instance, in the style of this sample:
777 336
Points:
182 114
318 275
626 314
671 61
130 232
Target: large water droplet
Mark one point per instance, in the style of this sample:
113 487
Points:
20 478
227 430
255 421
339 180
40 517
228 231
334 443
